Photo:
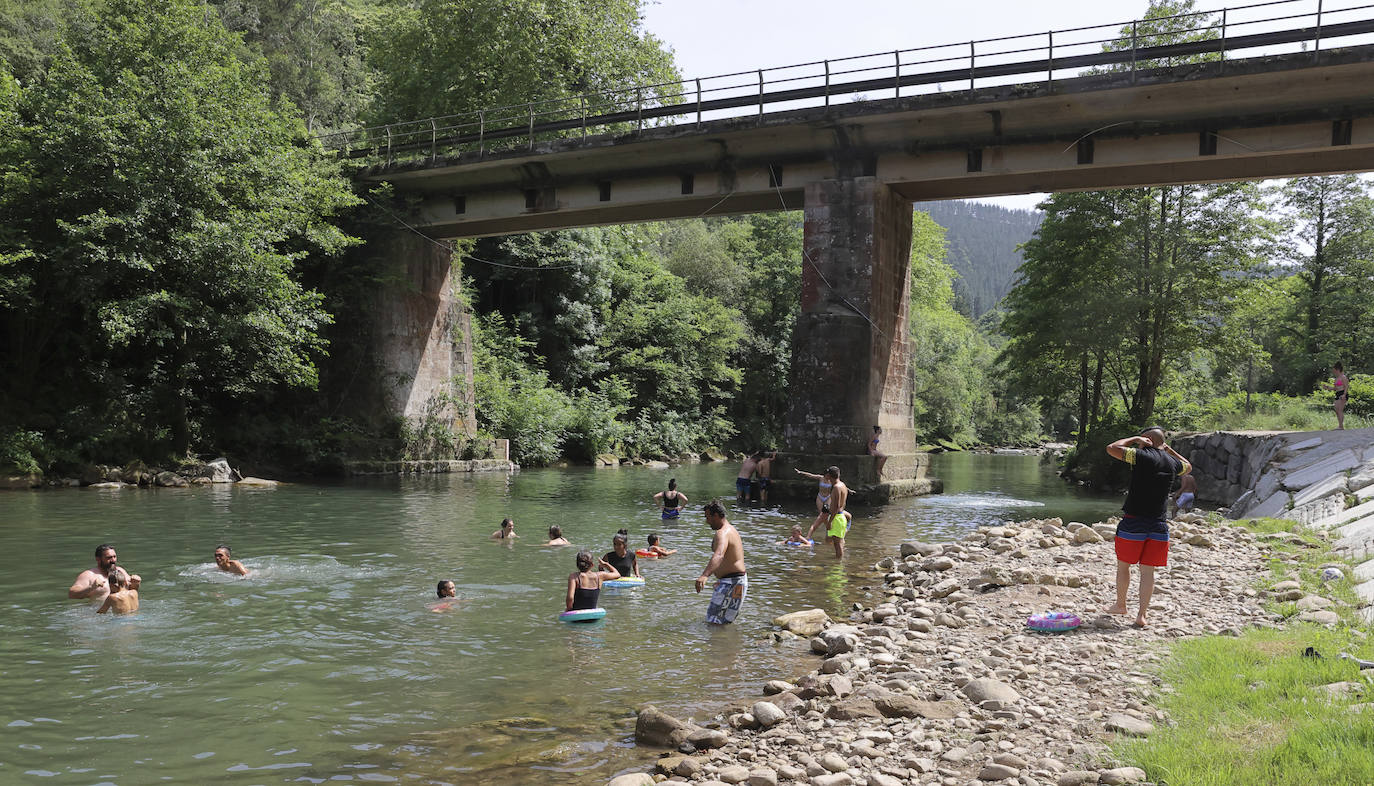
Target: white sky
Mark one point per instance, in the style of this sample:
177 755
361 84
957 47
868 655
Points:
723 36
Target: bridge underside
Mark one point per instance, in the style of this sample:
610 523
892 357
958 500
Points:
854 169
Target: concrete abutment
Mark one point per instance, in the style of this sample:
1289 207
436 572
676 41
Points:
850 350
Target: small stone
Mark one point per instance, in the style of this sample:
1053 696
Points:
1077 778
633 779
773 687
767 714
1128 725
1086 535
853 709
832 779
955 755
990 694
1010 760
735 773
880 779
763 777
1120 775
833 762
687 767
996 772
1320 617
703 739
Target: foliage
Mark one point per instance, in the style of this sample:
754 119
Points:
984 243
155 204
442 57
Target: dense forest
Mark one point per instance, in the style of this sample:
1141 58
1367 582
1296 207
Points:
183 269
984 248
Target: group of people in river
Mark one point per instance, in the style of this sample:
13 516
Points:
117 589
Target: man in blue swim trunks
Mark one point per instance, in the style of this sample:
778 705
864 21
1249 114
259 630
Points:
742 480
727 565
1142 537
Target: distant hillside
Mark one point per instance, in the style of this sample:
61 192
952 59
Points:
982 247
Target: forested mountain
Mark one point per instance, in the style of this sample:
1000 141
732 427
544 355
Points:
983 241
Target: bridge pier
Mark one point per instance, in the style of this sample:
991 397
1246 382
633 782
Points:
849 347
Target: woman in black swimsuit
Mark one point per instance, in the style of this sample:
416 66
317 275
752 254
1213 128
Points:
620 557
584 586
672 501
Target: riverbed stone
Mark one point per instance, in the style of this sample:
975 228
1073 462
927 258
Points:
655 727
832 779
1121 775
632 779
1321 617
767 714
705 739
853 709
763 777
735 773
834 762
1078 778
997 772
1129 725
804 623
990 694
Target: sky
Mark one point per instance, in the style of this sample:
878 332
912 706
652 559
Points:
723 36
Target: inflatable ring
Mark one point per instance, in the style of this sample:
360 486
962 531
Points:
582 615
800 543
1053 621
625 583
646 554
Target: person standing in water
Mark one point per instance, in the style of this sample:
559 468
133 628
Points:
727 565
765 470
837 518
227 563
1340 384
584 584
822 496
671 501
879 457
746 472
556 537
620 556
121 599
94 583
1142 537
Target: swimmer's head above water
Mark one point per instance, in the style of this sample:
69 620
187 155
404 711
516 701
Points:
446 589
119 580
106 557
555 532
584 561
222 555
507 526
653 539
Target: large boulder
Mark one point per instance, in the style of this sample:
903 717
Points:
804 623
219 471
170 480
766 713
990 694
656 727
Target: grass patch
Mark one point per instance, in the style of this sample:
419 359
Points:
1250 710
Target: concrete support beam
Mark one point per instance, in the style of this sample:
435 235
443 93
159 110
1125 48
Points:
849 347
422 337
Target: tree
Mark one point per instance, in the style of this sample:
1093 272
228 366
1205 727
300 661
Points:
443 57
155 203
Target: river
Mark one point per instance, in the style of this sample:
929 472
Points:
327 663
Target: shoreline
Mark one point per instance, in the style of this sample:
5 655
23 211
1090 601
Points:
941 683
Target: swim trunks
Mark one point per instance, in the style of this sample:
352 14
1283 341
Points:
763 483
671 513
1185 500
839 526
742 485
727 598
1142 541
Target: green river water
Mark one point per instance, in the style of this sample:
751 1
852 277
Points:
327 664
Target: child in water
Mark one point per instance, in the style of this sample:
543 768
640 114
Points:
655 550
448 595
584 585
121 599
797 538
556 537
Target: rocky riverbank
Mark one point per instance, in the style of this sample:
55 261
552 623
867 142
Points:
136 473
941 682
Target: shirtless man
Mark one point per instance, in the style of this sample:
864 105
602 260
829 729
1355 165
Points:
727 565
227 563
765 470
836 516
94 584
1186 495
746 471
121 599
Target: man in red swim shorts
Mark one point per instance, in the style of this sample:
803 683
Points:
1142 537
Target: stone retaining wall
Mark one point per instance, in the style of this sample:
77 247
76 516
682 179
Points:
429 467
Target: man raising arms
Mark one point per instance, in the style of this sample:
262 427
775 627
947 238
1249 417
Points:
1142 537
727 565
94 583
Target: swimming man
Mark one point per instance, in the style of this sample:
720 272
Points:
227 563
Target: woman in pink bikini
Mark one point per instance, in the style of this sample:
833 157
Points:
1341 385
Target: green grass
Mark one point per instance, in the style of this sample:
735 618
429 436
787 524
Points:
1249 711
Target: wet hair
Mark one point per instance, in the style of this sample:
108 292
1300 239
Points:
227 552
877 428
585 561
1339 367
102 548
672 484
555 532
714 508
439 588
832 471
118 579
621 536
653 539
506 522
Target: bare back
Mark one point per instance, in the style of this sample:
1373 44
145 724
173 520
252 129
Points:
732 561
749 467
122 602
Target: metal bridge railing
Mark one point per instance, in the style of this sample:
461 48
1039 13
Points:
1274 27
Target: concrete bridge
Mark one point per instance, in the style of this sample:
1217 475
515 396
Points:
1074 120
